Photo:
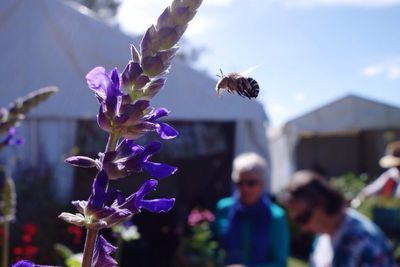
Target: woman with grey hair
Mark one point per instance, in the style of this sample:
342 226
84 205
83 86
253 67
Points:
252 230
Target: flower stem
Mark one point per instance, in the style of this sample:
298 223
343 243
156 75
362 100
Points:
6 238
91 234
112 142
90 243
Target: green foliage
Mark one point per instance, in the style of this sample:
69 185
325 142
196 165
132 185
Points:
200 249
293 262
349 184
372 203
70 259
384 211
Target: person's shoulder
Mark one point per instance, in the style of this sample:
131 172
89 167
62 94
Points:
277 212
359 227
225 203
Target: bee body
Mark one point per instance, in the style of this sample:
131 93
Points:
235 82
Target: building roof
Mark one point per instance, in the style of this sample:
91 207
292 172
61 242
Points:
349 113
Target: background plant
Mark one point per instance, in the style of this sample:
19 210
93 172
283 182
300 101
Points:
199 248
11 117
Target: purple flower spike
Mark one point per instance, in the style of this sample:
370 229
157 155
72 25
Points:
102 253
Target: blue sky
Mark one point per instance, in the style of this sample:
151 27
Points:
310 52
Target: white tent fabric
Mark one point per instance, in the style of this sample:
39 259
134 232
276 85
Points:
51 42
350 113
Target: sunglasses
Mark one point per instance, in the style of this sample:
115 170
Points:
249 183
304 217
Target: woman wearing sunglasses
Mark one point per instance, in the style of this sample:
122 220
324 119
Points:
251 229
344 236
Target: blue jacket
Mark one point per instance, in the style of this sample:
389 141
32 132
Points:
278 238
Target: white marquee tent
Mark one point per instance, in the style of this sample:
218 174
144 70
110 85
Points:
51 42
348 114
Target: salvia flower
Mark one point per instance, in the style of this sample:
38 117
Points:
102 253
105 208
125 113
128 158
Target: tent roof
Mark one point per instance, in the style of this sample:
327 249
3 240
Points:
346 114
50 42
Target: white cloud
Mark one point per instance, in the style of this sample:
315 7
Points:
299 97
276 108
389 69
135 16
393 72
217 2
355 3
373 70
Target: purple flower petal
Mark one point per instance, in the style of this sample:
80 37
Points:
158 113
114 195
146 188
102 253
98 81
166 131
158 205
115 80
11 139
121 215
99 195
159 170
24 264
151 148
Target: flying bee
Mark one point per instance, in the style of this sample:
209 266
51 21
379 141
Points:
239 83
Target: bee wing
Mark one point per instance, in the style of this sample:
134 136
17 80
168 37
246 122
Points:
249 70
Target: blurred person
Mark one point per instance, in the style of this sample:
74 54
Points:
252 230
387 184
344 236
